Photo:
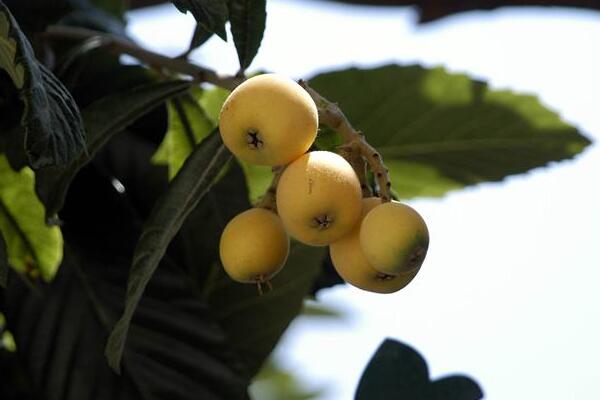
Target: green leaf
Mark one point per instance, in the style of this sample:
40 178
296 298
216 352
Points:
175 351
254 323
189 186
199 37
210 14
54 133
212 100
103 119
30 244
439 131
396 371
248 18
117 8
188 125
3 263
273 382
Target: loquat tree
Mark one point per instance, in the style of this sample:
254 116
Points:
161 223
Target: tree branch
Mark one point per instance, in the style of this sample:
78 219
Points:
120 45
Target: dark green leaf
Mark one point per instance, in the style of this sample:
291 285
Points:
188 125
103 119
255 323
3 262
396 371
94 19
116 8
199 37
210 14
189 186
176 350
248 18
439 131
54 133
31 245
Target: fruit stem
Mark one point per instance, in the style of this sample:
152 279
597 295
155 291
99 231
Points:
354 142
268 200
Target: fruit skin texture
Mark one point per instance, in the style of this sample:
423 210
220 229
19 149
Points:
352 265
268 120
254 246
394 238
319 198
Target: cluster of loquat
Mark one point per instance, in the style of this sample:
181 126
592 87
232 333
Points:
375 245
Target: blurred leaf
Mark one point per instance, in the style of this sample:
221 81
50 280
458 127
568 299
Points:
175 350
396 371
54 133
248 18
103 119
117 8
429 11
186 190
212 100
94 19
254 323
188 125
3 263
210 14
30 244
439 131
275 383
313 308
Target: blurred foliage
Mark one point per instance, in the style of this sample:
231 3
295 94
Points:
275 383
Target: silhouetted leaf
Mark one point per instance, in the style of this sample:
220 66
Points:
31 245
187 188
439 131
210 14
176 350
103 119
188 125
54 132
396 371
199 37
429 10
248 18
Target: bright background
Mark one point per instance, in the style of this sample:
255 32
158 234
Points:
510 290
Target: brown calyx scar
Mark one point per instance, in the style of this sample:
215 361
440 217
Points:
380 276
253 139
322 222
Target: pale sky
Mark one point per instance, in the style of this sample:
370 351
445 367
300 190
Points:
510 290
